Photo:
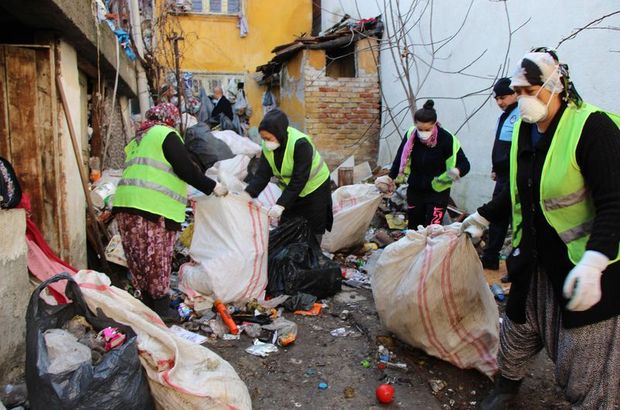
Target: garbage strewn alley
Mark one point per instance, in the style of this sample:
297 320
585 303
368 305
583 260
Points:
309 204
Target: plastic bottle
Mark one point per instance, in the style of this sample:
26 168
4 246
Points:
498 292
223 311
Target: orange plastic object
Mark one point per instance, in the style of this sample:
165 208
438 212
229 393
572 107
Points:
228 321
315 311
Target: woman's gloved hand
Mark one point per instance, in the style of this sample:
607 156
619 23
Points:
474 225
275 212
454 174
385 184
583 284
220 189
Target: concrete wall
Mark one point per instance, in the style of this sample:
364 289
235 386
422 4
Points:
15 291
73 195
212 42
592 57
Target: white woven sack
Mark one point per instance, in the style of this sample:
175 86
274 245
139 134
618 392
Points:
354 206
182 375
229 246
430 291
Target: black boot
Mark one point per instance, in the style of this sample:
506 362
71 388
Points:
503 393
162 307
489 263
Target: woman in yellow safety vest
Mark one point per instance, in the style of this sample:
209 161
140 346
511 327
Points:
429 158
151 200
290 156
564 199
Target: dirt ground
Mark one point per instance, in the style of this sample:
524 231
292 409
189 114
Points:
289 379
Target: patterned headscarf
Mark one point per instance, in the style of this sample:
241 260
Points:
161 114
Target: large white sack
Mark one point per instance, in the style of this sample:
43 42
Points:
270 195
236 167
181 374
430 291
238 144
354 206
229 246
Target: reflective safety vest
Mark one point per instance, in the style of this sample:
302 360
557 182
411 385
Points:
148 181
319 173
441 182
564 197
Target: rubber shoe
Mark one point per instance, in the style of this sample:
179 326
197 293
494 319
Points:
501 396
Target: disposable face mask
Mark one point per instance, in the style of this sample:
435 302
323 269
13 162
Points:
532 109
272 145
424 135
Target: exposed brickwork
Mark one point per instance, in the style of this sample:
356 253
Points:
343 114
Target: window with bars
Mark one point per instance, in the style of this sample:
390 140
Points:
230 7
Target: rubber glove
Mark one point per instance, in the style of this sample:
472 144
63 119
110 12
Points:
220 189
475 225
275 212
583 283
454 174
385 184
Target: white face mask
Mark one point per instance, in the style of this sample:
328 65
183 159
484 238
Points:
271 145
424 135
532 109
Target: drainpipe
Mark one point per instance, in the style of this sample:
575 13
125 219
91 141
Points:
136 30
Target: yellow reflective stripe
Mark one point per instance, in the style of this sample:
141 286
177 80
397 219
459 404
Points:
155 187
565 200
577 232
149 162
318 169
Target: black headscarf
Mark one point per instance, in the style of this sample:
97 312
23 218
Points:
275 122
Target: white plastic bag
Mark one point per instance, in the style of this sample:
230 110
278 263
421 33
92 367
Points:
234 167
270 195
237 143
182 374
230 242
114 252
64 351
354 206
430 291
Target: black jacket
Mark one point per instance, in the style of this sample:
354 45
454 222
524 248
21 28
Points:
223 106
598 154
500 156
427 162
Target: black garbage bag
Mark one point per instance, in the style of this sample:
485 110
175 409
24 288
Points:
205 149
297 264
117 382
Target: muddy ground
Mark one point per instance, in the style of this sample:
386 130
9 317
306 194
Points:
289 379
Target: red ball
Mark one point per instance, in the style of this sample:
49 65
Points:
385 393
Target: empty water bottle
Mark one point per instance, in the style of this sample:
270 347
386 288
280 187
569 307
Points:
498 292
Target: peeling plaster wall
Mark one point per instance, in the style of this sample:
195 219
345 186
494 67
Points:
292 92
74 202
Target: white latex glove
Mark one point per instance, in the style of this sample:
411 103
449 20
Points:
220 189
275 212
385 184
475 225
583 283
454 174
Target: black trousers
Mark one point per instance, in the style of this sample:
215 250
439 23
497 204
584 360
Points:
426 208
497 231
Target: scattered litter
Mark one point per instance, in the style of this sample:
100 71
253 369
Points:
498 292
342 332
301 301
348 392
396 221
310 372
253 330
296 361
315 311
344 315
187 335
261 349
385 393
323 386
229 336
366 364
285 331
437 385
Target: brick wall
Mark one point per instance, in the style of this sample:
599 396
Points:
342 115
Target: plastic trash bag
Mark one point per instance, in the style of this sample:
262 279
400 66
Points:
430 291
64 351
117 382
297 264
204 147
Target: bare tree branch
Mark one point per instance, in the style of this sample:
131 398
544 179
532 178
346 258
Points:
579 30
